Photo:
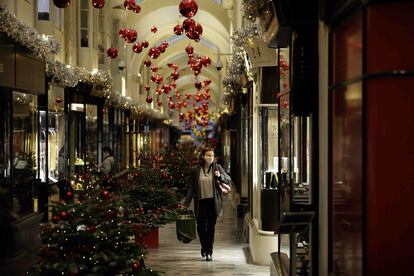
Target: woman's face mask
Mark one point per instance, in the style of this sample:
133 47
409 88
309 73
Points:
209 157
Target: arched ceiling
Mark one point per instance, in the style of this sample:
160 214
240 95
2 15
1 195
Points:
164 14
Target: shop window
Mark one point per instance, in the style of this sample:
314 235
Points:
84 16
269 157
24 159
43 9
91 157
56 133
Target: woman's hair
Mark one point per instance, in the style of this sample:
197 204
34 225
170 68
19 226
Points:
203 152
108 150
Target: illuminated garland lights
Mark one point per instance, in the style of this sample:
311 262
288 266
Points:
253 8
236 65
40 44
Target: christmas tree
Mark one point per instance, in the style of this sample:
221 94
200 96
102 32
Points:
90 236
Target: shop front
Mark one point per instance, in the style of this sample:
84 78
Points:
21 151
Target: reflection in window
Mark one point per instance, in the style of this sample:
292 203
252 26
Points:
269 149
91 157
43 9
84 14
24 152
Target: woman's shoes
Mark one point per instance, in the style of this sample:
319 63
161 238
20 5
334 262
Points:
209 257
203 254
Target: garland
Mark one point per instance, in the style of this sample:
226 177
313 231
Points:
41 45
252 9
236 65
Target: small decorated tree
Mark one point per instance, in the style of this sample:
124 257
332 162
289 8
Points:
90 236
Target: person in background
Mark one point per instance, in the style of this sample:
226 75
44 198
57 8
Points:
108 164
207 180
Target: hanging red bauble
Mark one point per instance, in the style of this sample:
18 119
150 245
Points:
166 88
137 48
105 194
158 91
207 82
129 4
61 3
175 75
159 103
169 98
137 8
154 68
188 24
188 96
130 35
185 104
69 195
98 4
163 47
153 78
149 99
158 79
174 85
122 32
147 63
206 61
189 49
154 52
145 44
195 32
64 215
171 105
146 87
198 85
154 29
178 30
181 116
188 8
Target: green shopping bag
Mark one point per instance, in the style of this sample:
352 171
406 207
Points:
186 227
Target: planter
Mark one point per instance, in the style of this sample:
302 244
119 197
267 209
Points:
148 237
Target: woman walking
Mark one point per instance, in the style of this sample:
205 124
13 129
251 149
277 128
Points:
208 183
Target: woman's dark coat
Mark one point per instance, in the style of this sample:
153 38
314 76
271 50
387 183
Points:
193 191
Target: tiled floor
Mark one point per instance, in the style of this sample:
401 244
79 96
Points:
230 256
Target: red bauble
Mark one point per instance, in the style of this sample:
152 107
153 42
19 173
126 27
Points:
166 88
188 8
171 105
189 49
137 48
69 195
55 219
98 4
154 29
61 3
91 229
154 53
181 116
154 68
195 32
159 79
158 91
137 8
178 30
188 24
147 87
129 4
145 44
163 47
198 85
147 63
64 215
159 103
149 99
205 61
135 267
105 194
174 75
130 35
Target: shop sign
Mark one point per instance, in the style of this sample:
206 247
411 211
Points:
260 55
